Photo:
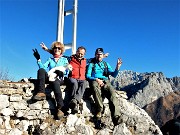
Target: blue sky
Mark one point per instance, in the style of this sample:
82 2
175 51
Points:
144 33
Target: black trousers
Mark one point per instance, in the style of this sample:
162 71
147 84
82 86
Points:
42 79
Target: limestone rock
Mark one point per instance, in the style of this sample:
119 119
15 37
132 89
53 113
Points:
175 82
4 101
142 88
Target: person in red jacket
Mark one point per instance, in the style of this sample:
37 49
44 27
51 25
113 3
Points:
76 81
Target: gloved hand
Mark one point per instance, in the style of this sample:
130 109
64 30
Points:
36 54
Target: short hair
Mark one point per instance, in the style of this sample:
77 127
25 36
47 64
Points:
81 47
58 43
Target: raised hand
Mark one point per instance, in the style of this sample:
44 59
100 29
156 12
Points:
119 63
44 47
100 82
106 55
36 54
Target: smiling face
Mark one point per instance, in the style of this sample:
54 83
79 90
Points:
99 56
57 50
80 53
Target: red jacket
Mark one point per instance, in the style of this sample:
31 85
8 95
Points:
79 68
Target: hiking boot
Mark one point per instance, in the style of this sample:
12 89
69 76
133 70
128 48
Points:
74 106
98 124
81 107
74 110
40 96
65 110
73 103
60 114
116 120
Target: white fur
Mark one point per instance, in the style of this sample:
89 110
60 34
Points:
52 76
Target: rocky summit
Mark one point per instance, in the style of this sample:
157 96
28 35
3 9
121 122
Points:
147 102
20 115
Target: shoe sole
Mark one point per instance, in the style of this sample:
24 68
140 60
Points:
39 98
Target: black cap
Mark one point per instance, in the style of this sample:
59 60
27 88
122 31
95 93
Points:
99 50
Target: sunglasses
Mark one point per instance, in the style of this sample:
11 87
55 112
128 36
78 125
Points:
59 48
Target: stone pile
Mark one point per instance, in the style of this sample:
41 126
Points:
20 115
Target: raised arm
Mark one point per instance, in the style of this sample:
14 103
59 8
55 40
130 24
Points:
119 63
36 54
44 47
106 55
115 72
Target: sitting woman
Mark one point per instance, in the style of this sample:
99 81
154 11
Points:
57 50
